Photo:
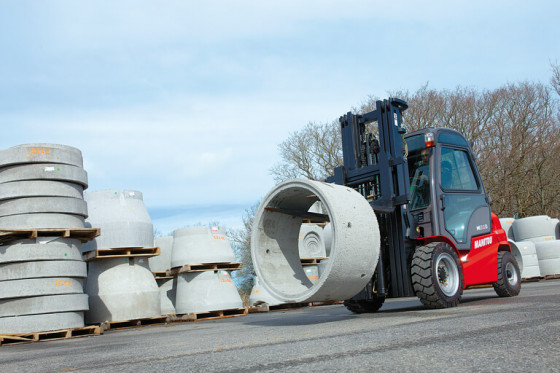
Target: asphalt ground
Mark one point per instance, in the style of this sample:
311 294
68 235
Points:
484 333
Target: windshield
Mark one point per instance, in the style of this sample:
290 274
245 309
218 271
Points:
419 172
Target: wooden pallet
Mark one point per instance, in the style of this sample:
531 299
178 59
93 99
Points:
210 315
82 234
126 252
278 307
14 339
531 279
552 277
134 323
232 266
162 275
310 261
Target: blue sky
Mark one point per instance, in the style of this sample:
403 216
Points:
187 101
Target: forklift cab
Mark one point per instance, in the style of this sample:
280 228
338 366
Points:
447 197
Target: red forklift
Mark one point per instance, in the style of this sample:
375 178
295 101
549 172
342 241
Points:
438 235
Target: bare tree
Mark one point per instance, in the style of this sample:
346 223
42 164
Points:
312 153
515 130
555 79
241 243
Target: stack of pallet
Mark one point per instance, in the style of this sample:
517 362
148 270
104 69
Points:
120 285
42 213
202 259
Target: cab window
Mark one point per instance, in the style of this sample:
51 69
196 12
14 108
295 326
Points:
456 171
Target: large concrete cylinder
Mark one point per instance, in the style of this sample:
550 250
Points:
259 295
41 248
42 268
41 153
41 322
31 287
31 205
162 262
167 293
506 225
45 171
42 221
43 304
525 254
534 228
197 245
274 242
199 292
121 289
122 217
40 188
548 253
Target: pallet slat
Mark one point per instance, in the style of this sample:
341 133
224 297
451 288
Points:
133 323
278 307
232 266
126 252
82 234
310 261
210 315
12 339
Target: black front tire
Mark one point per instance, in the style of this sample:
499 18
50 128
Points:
363 306
437 276
509 277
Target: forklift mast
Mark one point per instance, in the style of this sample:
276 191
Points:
377 168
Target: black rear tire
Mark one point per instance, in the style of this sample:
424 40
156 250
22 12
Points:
437 276
509 277
363 306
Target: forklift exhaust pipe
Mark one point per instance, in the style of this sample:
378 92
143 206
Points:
274 241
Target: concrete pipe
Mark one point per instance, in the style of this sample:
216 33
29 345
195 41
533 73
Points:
525 254
41 323
32 205
122 217
41 286
259 295
533 228
41 153
42 221
45 171
40 188
274 242
548 253
311 243
197 245
167 294
162 262
200 292
41 248
43 268
506 225
44 304
121 289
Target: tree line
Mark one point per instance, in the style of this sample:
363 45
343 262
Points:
515 129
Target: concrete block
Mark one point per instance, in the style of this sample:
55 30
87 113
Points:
41 153
32 205
41 248
44 171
